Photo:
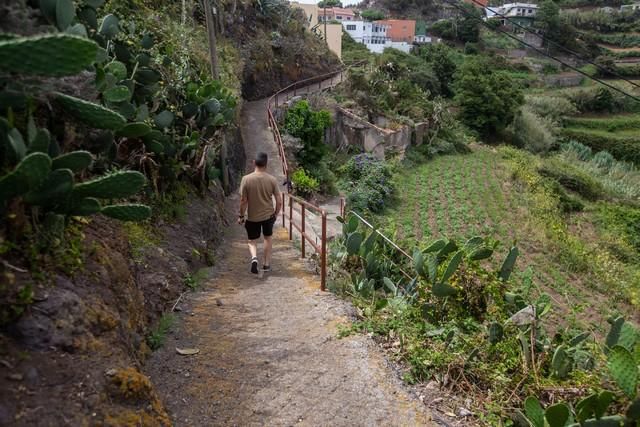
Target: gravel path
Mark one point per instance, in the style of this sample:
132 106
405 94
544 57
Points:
269 347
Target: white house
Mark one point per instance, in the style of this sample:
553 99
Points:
513 10
630 7
373 35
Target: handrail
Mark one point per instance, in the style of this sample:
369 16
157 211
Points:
294 86
388 240
304 205
301 227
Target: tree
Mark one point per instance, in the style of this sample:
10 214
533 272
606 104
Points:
488 98
330 3
548 16
440 57
308 125
211 33
468 25
372 15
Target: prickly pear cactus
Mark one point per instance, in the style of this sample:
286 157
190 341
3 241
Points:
353 243
41 141
496 332
558 415
509 264
75 161
127 212
115 186
85 207
48 55
561 362
624 370
92 114
30 173
54 191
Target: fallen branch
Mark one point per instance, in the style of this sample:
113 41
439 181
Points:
13 267
177 301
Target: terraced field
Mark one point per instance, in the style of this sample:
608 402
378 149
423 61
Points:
463 196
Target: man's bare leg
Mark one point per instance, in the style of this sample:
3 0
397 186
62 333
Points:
253 249
268 249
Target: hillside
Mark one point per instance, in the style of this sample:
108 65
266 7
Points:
118 150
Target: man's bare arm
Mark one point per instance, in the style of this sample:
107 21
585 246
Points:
244 202
278 204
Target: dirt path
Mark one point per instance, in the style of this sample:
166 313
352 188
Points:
269 351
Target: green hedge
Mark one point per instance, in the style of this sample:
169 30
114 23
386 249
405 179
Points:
612 124
621 147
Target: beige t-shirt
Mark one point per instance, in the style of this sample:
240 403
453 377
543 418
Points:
259 188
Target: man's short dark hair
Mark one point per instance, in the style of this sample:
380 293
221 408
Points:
261 159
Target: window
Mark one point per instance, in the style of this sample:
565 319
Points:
339 17
351 27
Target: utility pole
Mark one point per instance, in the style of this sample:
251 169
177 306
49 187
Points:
211 32
326 38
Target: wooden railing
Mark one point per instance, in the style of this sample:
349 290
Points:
301 226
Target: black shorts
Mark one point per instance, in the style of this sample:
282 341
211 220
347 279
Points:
254 229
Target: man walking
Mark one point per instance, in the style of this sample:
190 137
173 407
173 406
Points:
257 191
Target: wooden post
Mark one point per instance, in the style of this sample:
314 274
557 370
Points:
290 218
303 238
284 199
323 254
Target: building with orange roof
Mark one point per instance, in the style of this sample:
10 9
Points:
336 14
478 3
400 30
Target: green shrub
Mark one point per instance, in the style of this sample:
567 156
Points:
554 108
572 178
488 98
303 184
368 183
308 125
626 148
623 220
609 124
533 132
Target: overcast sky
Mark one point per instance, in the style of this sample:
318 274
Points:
344 2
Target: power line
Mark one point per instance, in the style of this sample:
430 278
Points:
635 98
566 49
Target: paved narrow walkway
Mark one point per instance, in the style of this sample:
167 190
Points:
269 348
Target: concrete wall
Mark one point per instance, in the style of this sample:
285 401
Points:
351 130
334 31
333 37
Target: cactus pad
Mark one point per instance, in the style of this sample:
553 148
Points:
442 290
127 212
76 161
30 173
508 264
92 114
48 55
561 362
115 186
496 332
41 141
85 207
558 415
453 266
54 191
134 130
624 370
534 411
353 243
